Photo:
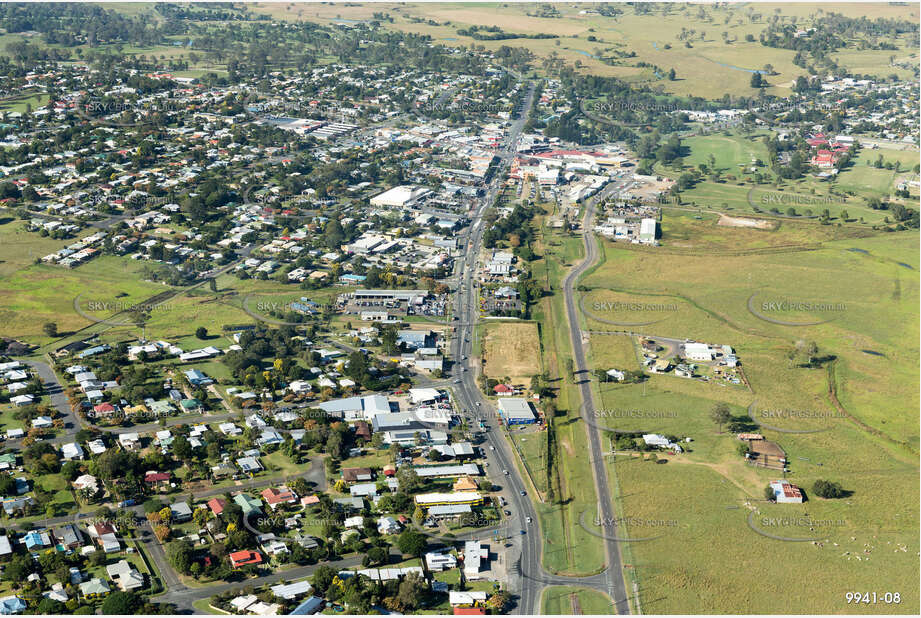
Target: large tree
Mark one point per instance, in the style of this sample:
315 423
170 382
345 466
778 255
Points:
720 414
121 604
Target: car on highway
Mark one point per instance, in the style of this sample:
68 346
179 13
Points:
457 381
491 447
507 512
528 520
523 493
505 472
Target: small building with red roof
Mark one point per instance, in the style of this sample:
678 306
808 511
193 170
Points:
275 497
217 505
244 558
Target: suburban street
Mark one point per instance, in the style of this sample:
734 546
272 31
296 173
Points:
526 575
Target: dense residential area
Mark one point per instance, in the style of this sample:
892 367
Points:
458 309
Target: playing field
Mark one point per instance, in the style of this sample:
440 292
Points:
511 350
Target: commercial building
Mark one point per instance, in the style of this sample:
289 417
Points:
516 411
400 196
435 499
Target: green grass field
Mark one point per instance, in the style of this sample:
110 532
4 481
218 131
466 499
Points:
709 68
563 600
568 548
734 154
873 454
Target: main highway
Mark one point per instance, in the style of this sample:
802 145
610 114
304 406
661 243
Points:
526 576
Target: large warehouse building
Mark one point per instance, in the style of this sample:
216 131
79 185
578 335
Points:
401 196
516 411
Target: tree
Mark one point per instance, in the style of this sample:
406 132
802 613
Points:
179 554
323 578
182 448
757 81
499 601
201 332
413 590
827 489
411 542
769 493
720 414
50 606
375 556
408 478
50 329
121 604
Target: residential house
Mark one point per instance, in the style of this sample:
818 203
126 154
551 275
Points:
786 493
352 475
180 512
276 497
125 576
436 562
249 504
217 505
94 589
244 558
68 535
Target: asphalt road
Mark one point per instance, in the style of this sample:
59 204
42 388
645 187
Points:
526 576
614 581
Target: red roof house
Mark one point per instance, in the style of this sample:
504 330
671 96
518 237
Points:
503 389
104 409
245 557
308 500
469 611
274 497
217 505
156 477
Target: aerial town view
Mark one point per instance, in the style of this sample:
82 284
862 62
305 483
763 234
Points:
534 308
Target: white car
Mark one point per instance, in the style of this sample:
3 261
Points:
491 447
528 520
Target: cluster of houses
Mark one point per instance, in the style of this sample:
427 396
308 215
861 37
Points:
15 381
121 573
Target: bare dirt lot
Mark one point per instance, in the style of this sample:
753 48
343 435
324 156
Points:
511 349
761 224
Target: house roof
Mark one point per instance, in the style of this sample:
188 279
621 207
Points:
274 495
217 505
244 557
